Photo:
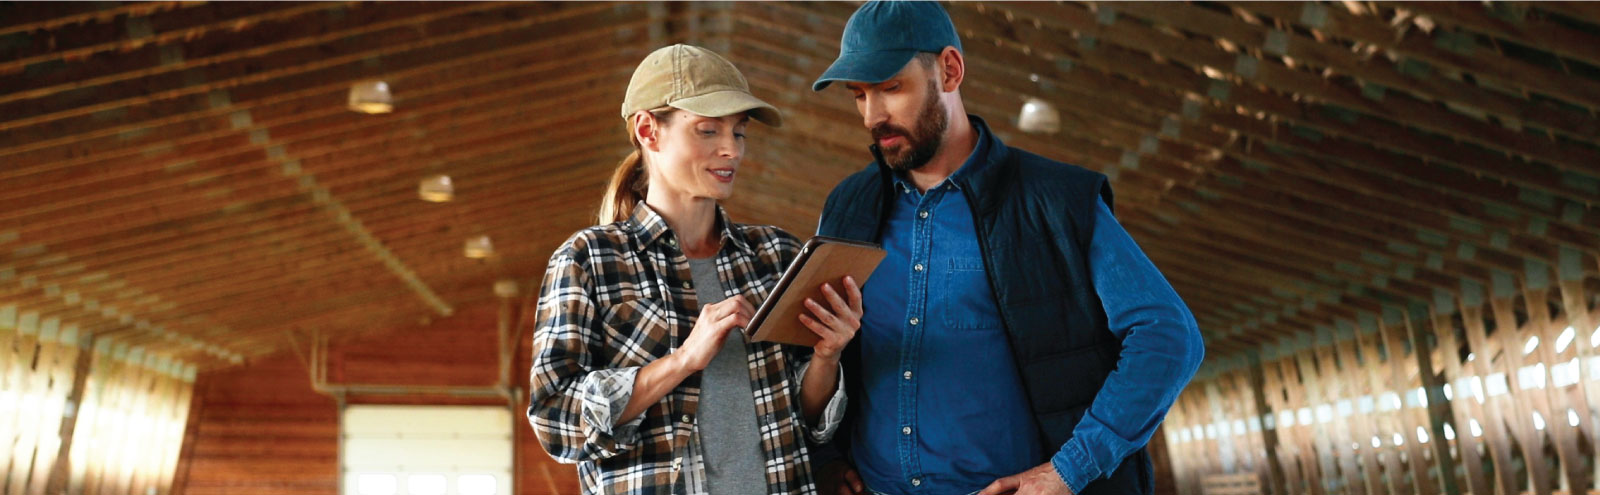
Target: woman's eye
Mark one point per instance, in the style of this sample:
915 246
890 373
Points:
739 135
708 132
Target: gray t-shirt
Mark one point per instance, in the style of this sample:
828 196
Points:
728 430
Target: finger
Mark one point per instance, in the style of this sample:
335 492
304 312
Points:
854 480
745 305
853 290
816 327
822 314
840 307
1000 486
729 322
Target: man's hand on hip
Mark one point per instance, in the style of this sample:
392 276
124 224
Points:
839 478
1041 480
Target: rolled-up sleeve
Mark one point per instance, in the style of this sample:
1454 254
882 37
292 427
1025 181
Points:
832 414
1161 350
572 406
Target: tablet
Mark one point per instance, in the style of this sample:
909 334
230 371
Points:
822 260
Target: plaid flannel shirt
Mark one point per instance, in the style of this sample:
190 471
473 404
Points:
615 298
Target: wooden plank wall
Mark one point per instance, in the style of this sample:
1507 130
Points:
262 429
1489 390
85 417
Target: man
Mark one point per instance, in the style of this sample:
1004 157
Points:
1015 339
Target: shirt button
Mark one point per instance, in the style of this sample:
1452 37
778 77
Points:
916 481
917 267
922 214
677 464
907 375
687 285
905 431
915 321
686 418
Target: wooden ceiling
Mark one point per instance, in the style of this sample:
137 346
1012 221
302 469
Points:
186 176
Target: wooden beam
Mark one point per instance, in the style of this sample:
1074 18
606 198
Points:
1473 58
1523 29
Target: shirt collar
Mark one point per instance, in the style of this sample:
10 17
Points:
976 160
649 227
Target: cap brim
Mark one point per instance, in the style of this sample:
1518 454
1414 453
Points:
867 67
725 103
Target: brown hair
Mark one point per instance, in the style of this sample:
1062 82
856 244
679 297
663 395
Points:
629 182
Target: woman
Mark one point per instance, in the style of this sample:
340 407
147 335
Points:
640 374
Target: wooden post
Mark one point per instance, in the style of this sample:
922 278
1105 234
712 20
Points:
1438 408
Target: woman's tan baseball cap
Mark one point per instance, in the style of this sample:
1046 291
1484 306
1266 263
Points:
691 78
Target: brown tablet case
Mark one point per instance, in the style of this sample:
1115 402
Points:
822 260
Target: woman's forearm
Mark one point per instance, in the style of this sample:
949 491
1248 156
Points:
654 381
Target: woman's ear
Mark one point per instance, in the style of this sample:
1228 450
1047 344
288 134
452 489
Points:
645 131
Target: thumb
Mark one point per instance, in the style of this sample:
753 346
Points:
1001 485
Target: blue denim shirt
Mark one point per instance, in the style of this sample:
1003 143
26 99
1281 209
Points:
943 407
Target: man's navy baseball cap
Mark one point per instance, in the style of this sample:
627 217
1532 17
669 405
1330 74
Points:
882 36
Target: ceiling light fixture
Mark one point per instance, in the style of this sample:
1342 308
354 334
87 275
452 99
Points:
1039 117
371 97
436 189
478 247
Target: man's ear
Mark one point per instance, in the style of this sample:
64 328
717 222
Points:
952 69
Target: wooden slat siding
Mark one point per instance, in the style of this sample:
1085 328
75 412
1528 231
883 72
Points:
1530 30
1574 302
85 45
200 42
337 142
279 111
1372 344
275 397
1394 107
1231 484
11 358
1435 411
263 429
1183 458
1306 49
1532 442
1357 370
1462 409
1334 390
25 382
1306 474
61 374
1272 441
401 48
1562 435
1494 418
1369 29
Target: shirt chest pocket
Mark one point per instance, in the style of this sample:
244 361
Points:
638 331
964 296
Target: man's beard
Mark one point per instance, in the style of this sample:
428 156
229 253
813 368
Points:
919 147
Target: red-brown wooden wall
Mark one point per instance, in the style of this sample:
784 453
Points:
261 429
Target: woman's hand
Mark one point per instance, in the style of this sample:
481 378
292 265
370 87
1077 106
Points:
715 321
836 325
